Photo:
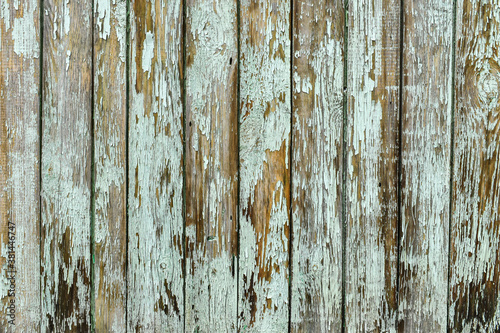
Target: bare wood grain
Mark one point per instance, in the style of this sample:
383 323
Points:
110 165
475 262
155 273
66 165
211 165
372 165
425 164
318 75
264 165
19 166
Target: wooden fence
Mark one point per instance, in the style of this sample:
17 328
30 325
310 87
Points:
251 166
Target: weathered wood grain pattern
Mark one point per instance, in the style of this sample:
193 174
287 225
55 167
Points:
19 165
110 229
264 150
155 270
372 165
317 131
425 164
211 165
66 165
475 262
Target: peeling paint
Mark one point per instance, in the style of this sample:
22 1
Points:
317 166
264 165
372 166
155 200
475 264
211 166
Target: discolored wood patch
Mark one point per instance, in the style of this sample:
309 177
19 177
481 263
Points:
475 264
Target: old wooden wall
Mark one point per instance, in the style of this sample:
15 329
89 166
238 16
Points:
249 165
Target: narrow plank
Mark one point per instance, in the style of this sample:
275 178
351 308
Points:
211 165
19 166
155 270
475 262
264 165
425 164
66 165
110 165
372 165
317 131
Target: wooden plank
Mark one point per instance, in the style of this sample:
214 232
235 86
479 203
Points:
211 165
425 164
318 80
372 165
475 262
264 165
110 229
155 270
19 166
66 165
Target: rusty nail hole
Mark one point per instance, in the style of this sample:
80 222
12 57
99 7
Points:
163 265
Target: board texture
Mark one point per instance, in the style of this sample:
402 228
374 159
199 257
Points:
425 165
264 151
373 95
66 165
475 264
211 165
250 165
155 166
19 166
317 132
110 188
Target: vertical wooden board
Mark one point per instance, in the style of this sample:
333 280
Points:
264 165
110 165
475 262
372 165
19 165
155 273
211 165
318 75
66 165
425 165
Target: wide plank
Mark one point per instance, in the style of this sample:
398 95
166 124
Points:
155 167
19 166
475 233
317 132
211 165
264 153
425 164
110 221
372 136
66 165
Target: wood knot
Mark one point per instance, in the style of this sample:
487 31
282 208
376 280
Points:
488 86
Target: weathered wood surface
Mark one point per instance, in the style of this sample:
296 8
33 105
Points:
318 81
264 150
475 262
425 164
66 165
110 222
155 167
252 166
19 165
372 165
211 165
